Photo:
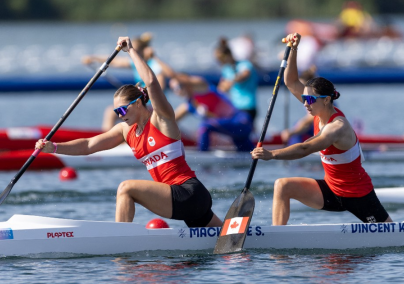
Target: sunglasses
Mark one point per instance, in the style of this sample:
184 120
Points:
310 99
122 110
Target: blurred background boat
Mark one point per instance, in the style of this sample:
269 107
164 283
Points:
16 147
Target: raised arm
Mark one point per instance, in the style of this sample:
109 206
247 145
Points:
161 106
291 74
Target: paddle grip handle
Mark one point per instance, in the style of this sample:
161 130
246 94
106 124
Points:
290 43
119 47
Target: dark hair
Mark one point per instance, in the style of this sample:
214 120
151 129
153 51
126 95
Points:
132 92
324 87
223 47
143 40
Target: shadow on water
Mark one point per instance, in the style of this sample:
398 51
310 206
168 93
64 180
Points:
207 254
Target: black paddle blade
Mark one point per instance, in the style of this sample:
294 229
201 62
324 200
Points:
236 222
5 192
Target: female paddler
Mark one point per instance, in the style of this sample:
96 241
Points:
346 185
155 140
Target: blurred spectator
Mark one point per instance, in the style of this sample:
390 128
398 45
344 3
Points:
239 79
303 129
354 21
243 48
142 45
217 113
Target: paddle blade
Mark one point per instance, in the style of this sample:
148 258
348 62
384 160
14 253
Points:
5 193
236 222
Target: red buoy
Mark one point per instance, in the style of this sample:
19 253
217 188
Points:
67 173
157 224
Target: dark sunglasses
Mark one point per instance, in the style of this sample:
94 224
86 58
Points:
310 99
122 110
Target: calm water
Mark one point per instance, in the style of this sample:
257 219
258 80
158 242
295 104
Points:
92 197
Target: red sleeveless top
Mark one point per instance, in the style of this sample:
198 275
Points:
344 173
163 157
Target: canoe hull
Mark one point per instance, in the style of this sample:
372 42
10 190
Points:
25 235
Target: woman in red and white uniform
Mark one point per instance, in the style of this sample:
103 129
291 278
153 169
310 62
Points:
155 140
346 185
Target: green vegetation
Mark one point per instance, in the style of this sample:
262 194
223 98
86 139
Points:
132 10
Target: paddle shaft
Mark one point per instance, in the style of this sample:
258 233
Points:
237 220
269 113
111 79
48 137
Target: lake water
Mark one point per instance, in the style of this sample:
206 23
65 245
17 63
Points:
92 197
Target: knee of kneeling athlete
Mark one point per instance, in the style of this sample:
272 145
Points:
123 188
280 184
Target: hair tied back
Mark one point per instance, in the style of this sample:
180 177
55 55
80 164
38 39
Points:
144 92
336 95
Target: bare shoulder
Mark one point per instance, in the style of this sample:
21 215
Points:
337 128
120 129
166 125
341 132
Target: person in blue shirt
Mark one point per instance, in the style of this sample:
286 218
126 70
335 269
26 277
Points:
215 110
239 79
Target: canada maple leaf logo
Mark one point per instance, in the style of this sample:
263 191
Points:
234 225
151 141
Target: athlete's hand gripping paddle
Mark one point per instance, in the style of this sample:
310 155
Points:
237 220
48 137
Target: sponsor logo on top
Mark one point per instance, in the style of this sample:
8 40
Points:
151 141
154 159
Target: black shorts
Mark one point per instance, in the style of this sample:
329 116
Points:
192 203
367 208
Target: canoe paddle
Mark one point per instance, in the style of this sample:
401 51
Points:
48 137
110 79
237 220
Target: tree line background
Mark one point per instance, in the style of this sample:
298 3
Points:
133 10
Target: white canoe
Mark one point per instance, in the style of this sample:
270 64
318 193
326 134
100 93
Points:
24 235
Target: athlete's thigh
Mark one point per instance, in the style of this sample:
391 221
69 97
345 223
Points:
155 196
305 190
